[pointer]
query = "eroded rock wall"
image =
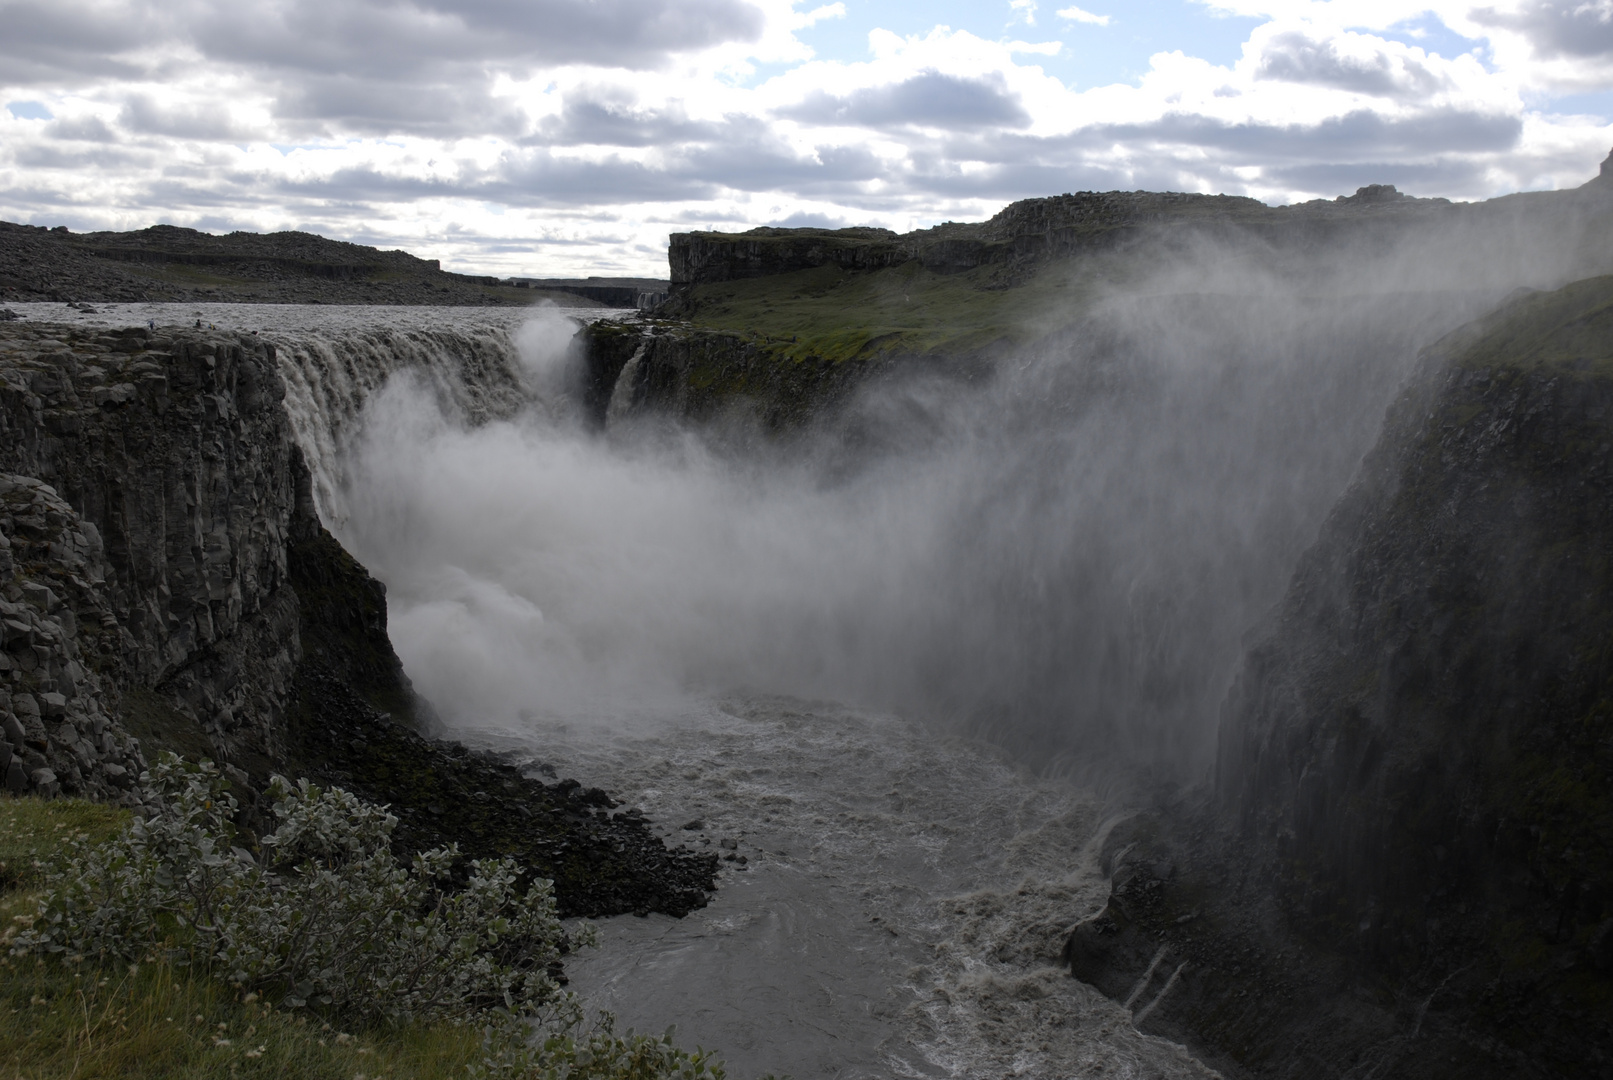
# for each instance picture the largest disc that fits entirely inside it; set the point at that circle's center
(1405, 870)
(173, 454)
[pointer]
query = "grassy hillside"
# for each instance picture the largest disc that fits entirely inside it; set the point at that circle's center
(835, 314)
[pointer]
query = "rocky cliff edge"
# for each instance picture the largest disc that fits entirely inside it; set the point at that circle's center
(165, 584)
(1405, 868)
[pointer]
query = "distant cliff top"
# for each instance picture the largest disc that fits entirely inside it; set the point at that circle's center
(167, 263)
(1025, 232)
(963, 287)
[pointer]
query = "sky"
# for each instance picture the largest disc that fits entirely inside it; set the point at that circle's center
(569, 137)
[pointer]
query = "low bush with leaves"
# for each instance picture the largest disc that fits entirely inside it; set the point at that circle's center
(327, 915)
(326, 919)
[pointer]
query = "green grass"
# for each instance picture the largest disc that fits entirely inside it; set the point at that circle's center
(65, 1020)
(837, 315)
(34, 830)
(61, 1019)
(1570, 329)
(71, 1018)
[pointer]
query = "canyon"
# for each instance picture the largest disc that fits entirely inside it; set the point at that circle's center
(1264, 552)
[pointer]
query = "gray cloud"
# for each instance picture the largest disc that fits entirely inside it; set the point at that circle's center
(584, 121)
(324, 105)
(392, 39)
(69, 41)
(1294, 57)
(1557, 28)
(80, 128)
(1444, 175)
(79, 158)
(1351, 136)
(143, 114)
(927, 100)
(362, 66)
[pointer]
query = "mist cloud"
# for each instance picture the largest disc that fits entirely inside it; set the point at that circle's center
(1064, 557)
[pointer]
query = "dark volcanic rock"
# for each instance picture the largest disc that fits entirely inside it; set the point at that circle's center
(601, 864)
(165, 580)
(1030, 231)
(1407, 868)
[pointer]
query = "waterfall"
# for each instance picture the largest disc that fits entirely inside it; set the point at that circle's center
(474, 373)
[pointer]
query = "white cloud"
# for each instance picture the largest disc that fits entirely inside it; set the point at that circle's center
(478, 133)
(1080, 15)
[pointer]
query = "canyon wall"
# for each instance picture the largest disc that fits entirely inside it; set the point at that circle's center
(166, 584)
(1404, 868)
(1420, 745)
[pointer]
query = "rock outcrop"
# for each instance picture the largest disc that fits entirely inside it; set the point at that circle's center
(1032, 231)
(1405, 870)
(174, 453)
(661, 367)
(165, 583)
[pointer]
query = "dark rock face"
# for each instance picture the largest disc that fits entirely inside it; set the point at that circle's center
(1405, 869)
(59, 636)
(165, 580)
(701, 257)
(705, 375)
(601, 864)
(1423, 743)
(175, 451)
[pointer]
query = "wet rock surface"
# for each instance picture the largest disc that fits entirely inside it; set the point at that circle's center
(1404, 870)
(601, 863)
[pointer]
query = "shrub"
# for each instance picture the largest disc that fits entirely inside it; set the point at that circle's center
(324, 918)
(327, 915)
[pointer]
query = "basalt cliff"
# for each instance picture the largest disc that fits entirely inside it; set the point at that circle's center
(1404, 869)
(167, 585)
(776, 327)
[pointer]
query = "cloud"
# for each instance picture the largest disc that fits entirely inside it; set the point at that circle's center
(1353, 62)
(427, 37)
(1564, 28)
(588, 120)
(205, 120)
(455, 129)
(929, 99)
(88, 128)
(74, 41)
(1075, 14)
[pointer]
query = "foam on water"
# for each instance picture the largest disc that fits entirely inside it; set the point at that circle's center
(901, 913)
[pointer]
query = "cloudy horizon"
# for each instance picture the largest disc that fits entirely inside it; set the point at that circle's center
(560, 137)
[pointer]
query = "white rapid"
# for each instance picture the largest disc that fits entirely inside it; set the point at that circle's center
(899, 913)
